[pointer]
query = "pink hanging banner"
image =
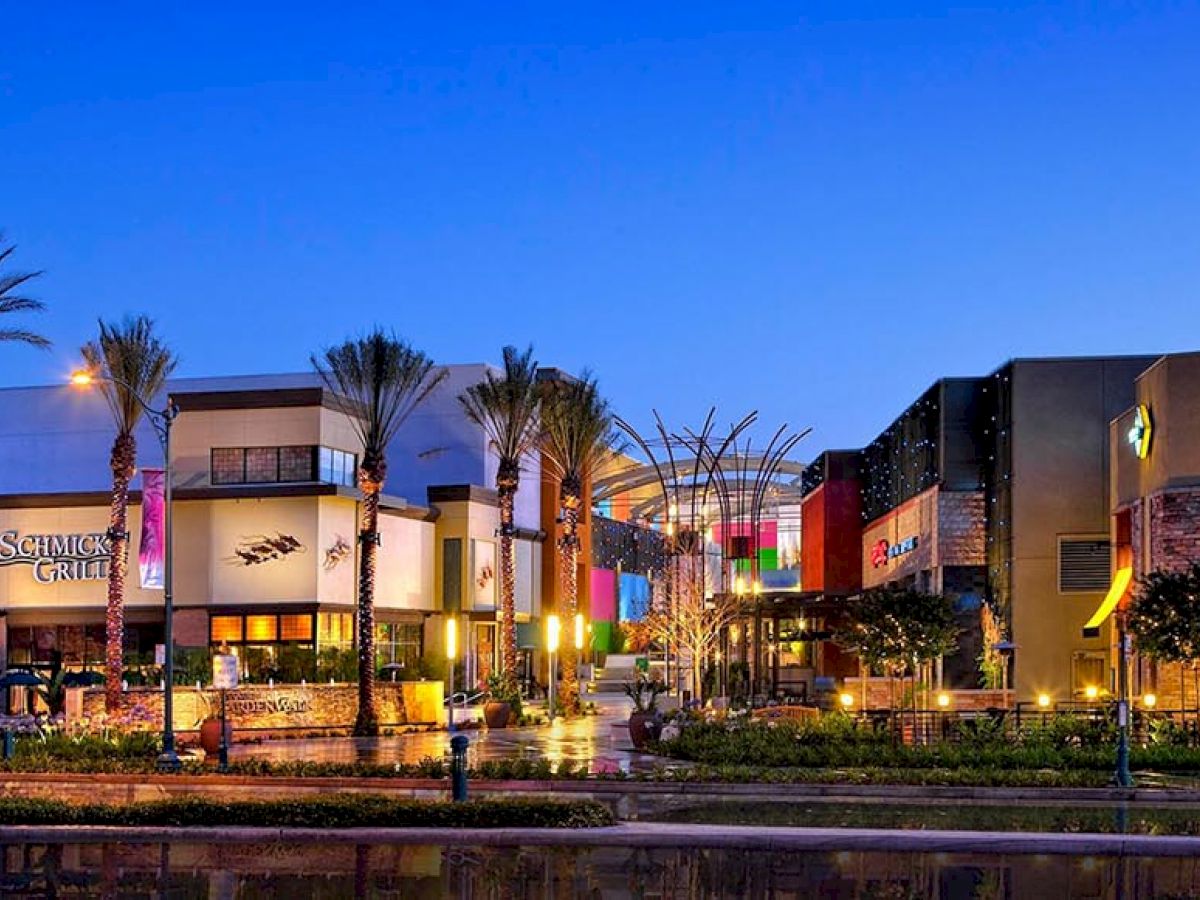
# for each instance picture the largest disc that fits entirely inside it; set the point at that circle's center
(152, 545)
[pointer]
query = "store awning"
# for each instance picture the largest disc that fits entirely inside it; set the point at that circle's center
(1116, 593)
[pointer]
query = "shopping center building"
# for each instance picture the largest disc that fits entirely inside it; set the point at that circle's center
(992, 490)
(1155, 495)
(265, 547)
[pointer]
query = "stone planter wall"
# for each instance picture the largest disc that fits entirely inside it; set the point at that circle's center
(282, 707)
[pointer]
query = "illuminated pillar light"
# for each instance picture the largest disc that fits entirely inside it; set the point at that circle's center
(578, 631)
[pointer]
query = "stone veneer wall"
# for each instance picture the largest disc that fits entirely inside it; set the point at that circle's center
(255, 707)
(879, 695)
(1174, 543)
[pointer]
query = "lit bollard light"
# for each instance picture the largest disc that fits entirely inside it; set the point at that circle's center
(458, 767)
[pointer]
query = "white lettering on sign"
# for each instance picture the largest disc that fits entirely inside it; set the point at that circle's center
(57, 557)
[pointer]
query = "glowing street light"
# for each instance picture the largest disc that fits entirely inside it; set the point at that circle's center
(451, 656)
(553, 633)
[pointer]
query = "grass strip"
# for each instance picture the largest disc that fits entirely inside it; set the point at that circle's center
(343, 811)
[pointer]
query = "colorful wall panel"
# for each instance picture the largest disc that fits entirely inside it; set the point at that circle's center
(633, 593)
(604, 595)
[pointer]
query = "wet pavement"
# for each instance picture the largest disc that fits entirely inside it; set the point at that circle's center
(586, 740)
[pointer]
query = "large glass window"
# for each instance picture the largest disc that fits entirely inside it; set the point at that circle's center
(335, 629)
(337, 467)
(282, 465)
(399, 644)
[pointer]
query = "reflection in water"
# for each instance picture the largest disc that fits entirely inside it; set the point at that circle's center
(218, 871)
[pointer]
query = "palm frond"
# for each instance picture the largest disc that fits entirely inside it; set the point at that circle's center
(130, 360)
(383, 379)
(578, 435)
(506, 407)
(11, 302)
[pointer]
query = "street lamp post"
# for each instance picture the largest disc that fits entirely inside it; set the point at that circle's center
(553, 629)
(161, 420)
(1123, 777)
(451, 655)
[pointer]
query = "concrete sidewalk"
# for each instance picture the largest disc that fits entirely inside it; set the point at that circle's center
(641, 835)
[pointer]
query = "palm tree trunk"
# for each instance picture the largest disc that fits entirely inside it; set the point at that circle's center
(367, 721)
(122, 461)
(508, 587)
(569, 558)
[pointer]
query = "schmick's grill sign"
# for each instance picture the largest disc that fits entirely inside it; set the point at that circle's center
(57, 557)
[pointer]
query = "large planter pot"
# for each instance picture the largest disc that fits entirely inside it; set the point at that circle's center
(496, 714)
(641, 728)
(210, 735)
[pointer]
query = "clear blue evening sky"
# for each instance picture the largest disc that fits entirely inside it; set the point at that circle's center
(813, 209)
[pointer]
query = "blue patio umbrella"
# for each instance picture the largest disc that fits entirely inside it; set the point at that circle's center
(20, 678)
(82, 679)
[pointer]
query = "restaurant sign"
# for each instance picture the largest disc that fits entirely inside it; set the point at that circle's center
(57, 557)
(884, 551)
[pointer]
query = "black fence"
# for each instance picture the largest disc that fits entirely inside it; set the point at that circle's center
(1065, 724)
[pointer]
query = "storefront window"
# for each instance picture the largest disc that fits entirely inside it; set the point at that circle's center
(335, 629)
(260, 629)
(225, 629)
(296, 628)
(399, 644)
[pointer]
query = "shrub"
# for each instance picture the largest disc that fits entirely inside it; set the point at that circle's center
(341, 811)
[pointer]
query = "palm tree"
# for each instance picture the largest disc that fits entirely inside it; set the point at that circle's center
(130, 362)
(578, 438)
(506, 408)
(383, 380)
(12, 302)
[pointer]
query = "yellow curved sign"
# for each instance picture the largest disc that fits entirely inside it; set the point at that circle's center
(1120, 585)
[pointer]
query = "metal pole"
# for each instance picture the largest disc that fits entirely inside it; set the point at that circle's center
(223, 747)
(1123, 777)
(168, 760)
(450, 723)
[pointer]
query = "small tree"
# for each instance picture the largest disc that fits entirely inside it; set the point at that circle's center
(693, 623)
(896, 630)
(1164, 619)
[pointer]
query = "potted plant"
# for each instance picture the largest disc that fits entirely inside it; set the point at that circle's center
(503, 703)
(644, 692)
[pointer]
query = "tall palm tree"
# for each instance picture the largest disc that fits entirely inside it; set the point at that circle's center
(13, 302)
(506, 408)
(130, 361)
(578, 438)
(383, 380)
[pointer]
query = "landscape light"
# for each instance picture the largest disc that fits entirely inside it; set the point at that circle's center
(451, 638)
(578, 631)
(553, 630)
(1043, 700)
(847, 700)
(1091, 692)
(1149, 701)
(943, 699)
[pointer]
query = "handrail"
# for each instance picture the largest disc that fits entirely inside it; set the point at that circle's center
(462, 698)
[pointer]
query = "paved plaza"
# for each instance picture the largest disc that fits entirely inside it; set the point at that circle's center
(586, 740)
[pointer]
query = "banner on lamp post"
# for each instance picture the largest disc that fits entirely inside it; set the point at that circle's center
(152, 547)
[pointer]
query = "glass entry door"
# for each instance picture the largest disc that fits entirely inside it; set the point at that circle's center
(482, 660)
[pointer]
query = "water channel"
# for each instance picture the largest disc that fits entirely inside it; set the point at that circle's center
(218, 871)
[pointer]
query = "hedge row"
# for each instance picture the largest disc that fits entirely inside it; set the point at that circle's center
(342, 811)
